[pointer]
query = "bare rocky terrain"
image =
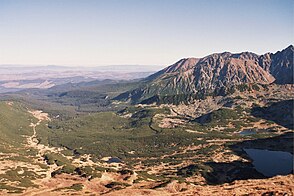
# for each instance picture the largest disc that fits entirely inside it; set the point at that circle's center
(215, 74)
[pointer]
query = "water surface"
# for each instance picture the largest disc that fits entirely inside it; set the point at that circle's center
(114, 160)
(247, 132)
(271, 163)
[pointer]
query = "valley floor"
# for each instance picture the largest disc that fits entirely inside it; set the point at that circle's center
(145, 149)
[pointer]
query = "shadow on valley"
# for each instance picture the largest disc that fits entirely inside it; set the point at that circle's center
(219, 173)
(279, 112)
(227, 172)
(282, 142)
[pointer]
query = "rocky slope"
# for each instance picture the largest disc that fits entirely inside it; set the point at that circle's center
(280, 65)
(214, 74)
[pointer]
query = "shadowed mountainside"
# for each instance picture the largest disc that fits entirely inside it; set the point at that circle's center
(279, 112)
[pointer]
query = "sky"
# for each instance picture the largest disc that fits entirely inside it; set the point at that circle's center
(139, 32)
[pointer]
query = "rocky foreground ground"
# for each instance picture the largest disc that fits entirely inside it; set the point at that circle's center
(279, 185)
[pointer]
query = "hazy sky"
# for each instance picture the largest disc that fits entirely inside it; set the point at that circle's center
(107, 32)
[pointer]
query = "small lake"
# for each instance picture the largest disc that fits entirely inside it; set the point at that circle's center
(247, 132)
(114, 160)
(271, 163)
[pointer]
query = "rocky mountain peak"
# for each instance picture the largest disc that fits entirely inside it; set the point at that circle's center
(182, 65)
(246, 56)
(216, 73)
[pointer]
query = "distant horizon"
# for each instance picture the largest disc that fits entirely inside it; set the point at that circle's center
(86, 66)
(130, 65)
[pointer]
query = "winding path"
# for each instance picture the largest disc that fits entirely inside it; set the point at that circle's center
(33, 142)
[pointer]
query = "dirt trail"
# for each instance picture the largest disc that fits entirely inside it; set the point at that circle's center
(33, 142)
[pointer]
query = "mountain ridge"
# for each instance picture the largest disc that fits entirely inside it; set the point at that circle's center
(215, 73)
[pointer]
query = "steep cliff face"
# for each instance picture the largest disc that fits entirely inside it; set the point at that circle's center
(224, 70)
(282, 66)
(192, 76)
